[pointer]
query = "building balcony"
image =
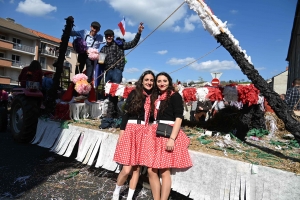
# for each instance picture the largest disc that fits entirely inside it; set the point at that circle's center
(4, 62)
(49, 53)
(19, 64)
(4, 80)
(5, 44)
(24, 48)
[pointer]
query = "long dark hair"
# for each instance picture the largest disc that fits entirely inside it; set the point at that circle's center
(139, 97)
(169, 90)
(34, 65)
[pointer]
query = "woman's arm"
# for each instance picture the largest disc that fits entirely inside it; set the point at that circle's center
(175, 131)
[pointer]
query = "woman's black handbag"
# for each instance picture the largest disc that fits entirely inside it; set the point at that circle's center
(164, 130)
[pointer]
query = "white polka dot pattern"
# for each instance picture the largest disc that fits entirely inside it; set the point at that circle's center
(129, 147)
(154, 152)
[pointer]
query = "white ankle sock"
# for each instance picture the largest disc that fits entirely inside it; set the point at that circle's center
(117, 189)
(130, 194)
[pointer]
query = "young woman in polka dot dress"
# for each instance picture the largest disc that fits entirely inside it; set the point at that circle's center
(138, 108)
(160, 153)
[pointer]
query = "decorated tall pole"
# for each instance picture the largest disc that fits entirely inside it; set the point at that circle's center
(219, 30)
(52, 93)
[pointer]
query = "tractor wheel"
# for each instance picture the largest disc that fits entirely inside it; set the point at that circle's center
(24, 118)
(3, 119)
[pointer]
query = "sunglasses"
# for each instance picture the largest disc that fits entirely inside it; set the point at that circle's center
(107, 36)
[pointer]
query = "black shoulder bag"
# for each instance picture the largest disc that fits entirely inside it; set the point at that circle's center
(163, 130)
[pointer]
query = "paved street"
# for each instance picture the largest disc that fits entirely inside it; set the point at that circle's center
(32, 172)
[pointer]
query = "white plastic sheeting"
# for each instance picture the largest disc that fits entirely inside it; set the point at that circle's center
(210, 178)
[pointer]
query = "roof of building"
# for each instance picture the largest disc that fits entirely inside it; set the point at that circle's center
(280, 73)
(10, 24)
(48, 37)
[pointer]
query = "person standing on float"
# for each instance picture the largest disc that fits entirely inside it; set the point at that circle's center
(138, 108)
(161, 153)
(93, 40)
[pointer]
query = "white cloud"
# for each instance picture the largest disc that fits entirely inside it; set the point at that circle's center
(230, 25)
(132, 80)
(188, 25)
(11, 1)
(162, 52)
(131, 70)
(260, 68)
(154, 71)
(233, 11)
(152, 13)
(211, 65)
(35, 7)
(128, 35)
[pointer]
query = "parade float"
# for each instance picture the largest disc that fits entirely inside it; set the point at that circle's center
(263, 166)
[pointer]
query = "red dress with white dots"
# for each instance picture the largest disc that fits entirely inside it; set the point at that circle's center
(128, 150)
(154, 153)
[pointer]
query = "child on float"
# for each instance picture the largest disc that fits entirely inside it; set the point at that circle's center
(138, 107)
(160, 154)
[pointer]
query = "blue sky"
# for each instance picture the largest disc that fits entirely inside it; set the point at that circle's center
(262, 27)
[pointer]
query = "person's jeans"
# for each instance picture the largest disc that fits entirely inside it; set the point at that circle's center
(83, 59)
(113, 75)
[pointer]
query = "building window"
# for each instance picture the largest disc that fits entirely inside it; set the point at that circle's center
(1, 55)
(2, 72)
(2, 37)
(68, 53)
(43, 62)
(15, 58)
(16, 41)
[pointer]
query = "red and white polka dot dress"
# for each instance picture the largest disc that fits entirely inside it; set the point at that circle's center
(155, 155)
(128, 149)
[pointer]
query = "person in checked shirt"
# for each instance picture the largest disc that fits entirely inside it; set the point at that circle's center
(293, 95)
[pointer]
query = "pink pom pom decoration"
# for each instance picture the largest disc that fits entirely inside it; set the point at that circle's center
(79, 77)
(93, 54)
(82, 87)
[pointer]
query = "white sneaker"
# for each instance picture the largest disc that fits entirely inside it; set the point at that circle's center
(115, 197)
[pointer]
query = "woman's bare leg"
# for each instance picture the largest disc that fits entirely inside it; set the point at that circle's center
(166, 183)
(154, 183)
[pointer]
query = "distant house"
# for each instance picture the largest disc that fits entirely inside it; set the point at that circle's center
(279, 82)
(20, 45)
(293, 56)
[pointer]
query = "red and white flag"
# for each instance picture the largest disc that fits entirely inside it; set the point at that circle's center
(122, 26)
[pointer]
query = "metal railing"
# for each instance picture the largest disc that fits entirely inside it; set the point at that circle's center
(51, 53)
(22, 47)
(19, 64)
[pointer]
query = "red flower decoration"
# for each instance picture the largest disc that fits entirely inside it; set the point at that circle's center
(189, 94)
(248, 94)
(214, 94)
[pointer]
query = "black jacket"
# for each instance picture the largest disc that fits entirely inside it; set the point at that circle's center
(115, 52)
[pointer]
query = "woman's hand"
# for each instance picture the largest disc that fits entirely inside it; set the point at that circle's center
(170, 145)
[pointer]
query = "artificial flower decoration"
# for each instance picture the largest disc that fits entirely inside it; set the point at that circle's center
(93, 54)
(82, 87)
(79, 77)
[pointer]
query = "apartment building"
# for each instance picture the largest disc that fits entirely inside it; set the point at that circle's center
(20, 45)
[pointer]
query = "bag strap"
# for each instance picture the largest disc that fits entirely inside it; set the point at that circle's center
(93, 41)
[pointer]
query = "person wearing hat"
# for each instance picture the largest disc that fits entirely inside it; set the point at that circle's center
(114, 62)
(93, 40)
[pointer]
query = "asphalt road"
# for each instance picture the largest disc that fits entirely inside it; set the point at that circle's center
(31, 172)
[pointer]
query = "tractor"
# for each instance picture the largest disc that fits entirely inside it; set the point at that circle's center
(25, 108)
(25, 111)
